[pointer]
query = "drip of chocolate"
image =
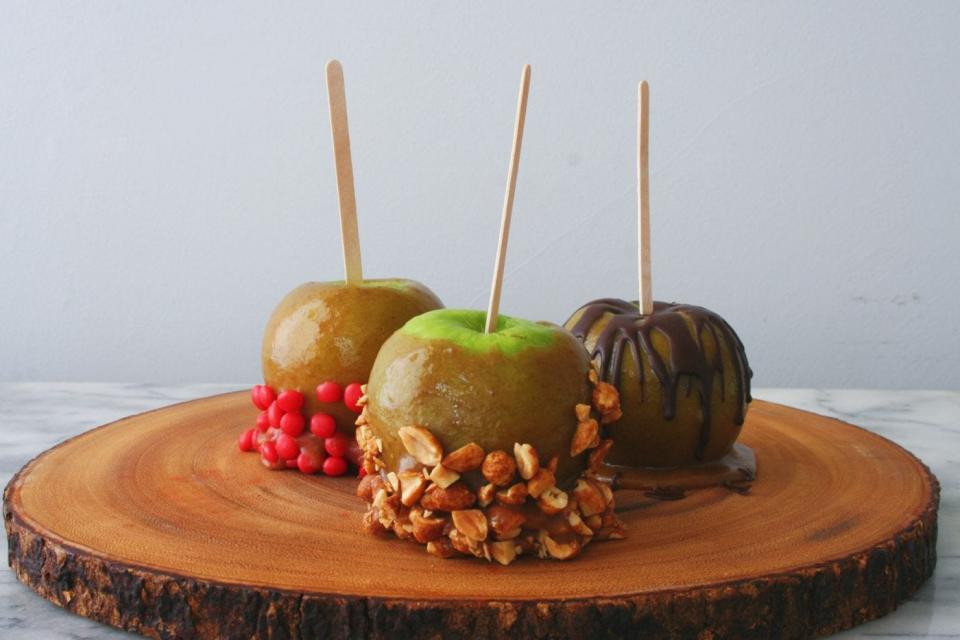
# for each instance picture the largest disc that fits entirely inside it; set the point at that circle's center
(682, 326)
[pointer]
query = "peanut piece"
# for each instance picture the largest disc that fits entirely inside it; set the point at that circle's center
(422, 445)
(503, 552)
(515, 495)
(589, 498)
(471, 523)
(498, 468)
(552, 501)
(466, 458)
(540, 482)
(412, 486)
(606, 399)
(443, 477)
(454, 498)
(506, 523)
(528, 462)
(585, 437)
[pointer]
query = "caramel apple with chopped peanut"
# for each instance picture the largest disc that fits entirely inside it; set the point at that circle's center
(484, 443)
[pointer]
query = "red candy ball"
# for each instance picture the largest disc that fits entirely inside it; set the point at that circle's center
(334, 466)
(290, 400)
(263, 421)
(292, 424)
(286, 447)
(329, 392)
(274, 414)
(247, 440)
(263, 396)
(350, 396)
(268, 451)
(323, 425)
(337, 445)
(309, 462)
(255, 396)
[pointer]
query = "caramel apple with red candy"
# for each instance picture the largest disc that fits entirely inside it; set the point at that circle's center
(318, 348)
(682, 375)
(329, 333)
(480, 443)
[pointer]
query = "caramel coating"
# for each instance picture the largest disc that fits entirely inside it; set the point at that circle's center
(685, 400)
(330, 331)
(494, 399)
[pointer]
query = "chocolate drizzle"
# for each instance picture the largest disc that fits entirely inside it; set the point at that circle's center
(682, 326)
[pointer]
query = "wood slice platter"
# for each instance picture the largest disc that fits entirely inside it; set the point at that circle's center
(157, 524)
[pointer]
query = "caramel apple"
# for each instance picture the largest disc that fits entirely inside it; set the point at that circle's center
(322, 339)
(683, 379)
(325, 332)
(491, 433)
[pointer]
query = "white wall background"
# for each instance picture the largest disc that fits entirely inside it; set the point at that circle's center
(166, 173)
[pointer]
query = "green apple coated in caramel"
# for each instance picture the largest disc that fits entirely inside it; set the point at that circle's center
(683, 378)
(519, 384)
(331, 331)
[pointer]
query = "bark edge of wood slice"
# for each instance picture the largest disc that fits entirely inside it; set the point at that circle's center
(842, 526)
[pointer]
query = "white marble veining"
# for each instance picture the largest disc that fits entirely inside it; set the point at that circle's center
(36, 416)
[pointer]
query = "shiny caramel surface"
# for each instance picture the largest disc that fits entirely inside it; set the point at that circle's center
(331, 331)
(492, 398)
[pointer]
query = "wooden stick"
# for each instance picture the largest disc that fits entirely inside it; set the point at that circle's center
(493, 309)
(349, 232)
(643, 195)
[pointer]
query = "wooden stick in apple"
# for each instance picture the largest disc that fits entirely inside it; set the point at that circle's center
(493, 309)
(349, 233)
(643, 196)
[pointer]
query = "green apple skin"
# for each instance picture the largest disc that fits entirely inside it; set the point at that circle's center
(332, 331)
(520, 383)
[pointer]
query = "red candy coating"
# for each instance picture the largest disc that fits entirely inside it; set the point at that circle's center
(350, 396)
(290, 400)
(264, 396)
(292, 424)
(309, 462)
(323, 425)
(286, 447)
(247, 440)
(329, 392)
(268, 451)
(334, 466)
(274, 414)
(337, 445)
(263, 421)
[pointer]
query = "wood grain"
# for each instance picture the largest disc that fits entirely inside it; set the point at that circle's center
(157, 524)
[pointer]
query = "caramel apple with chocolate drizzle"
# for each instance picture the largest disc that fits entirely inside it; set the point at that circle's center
(683, 378)
(681, 370)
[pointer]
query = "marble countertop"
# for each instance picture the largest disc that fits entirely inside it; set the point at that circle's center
(36, 416)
